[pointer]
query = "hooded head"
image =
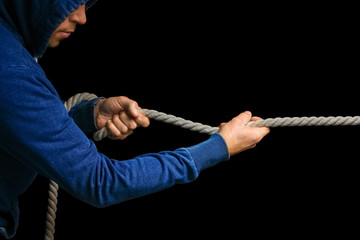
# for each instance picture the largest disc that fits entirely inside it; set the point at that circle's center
(34, 21)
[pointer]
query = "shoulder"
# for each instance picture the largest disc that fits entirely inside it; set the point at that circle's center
(12, 52)
(18, 69)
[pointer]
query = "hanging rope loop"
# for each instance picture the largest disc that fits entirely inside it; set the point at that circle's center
(53, 186)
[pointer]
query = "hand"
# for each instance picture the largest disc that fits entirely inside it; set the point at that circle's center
(120, 115)
(240, 137)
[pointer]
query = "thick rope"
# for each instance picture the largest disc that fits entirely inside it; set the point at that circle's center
(269, 122)
(51, 210)
(167, 118)
(306, 121)
(193, 126)
(53, 186)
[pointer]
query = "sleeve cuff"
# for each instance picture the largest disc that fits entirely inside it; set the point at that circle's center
(83, 115)
(210, 152)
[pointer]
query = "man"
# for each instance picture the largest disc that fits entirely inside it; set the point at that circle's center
(38, 135)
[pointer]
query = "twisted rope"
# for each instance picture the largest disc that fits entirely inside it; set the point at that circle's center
(51, 210)
(306, 121)
(53, 186)
(269, 122)
(166, 118)
(193, 126)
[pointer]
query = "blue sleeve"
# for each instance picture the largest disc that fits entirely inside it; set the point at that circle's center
(37, 131)
(83, 115)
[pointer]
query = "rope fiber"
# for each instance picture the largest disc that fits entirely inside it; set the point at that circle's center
(193, 126)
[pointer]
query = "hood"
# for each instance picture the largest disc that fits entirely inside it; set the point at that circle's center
(34, 21)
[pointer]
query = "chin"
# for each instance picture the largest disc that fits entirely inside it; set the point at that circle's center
(53, 42)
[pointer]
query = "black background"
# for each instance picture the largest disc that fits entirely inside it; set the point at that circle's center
(208, 62)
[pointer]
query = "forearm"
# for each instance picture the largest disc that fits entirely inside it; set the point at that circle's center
(107, 181)
(84, 116)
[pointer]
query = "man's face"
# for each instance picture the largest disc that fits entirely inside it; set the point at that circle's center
(68, 26)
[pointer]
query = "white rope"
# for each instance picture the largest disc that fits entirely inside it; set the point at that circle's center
(268, 122)
(306, 121)
(193, 126)
(167, 118)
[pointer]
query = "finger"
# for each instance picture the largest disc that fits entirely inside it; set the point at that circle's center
(123, 103)
(119, 124)
(244, 117)
(255, 119)
(133, 109)
(222, 124)
(135, 112)
(265, 131)
(142, 120)
(115, 133)
(127, 121)
(262, 131)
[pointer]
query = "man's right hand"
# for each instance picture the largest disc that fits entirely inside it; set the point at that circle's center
(240, 137)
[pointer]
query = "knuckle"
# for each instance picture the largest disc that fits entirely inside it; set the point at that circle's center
(123, 98)
(123, 129)
(116, 133)
(122, 115)
(132, 125)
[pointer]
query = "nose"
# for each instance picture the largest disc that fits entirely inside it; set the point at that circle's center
(78, 16)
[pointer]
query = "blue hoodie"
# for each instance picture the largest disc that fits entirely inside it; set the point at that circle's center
(38, 135)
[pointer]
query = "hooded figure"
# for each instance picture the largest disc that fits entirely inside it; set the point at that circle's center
(38, 135)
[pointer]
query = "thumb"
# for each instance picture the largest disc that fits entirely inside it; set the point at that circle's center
(127, 105)
(244, 117)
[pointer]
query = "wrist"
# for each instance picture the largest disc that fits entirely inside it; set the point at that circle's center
(97, 118)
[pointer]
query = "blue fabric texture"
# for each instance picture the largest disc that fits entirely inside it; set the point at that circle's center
(38, 135)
